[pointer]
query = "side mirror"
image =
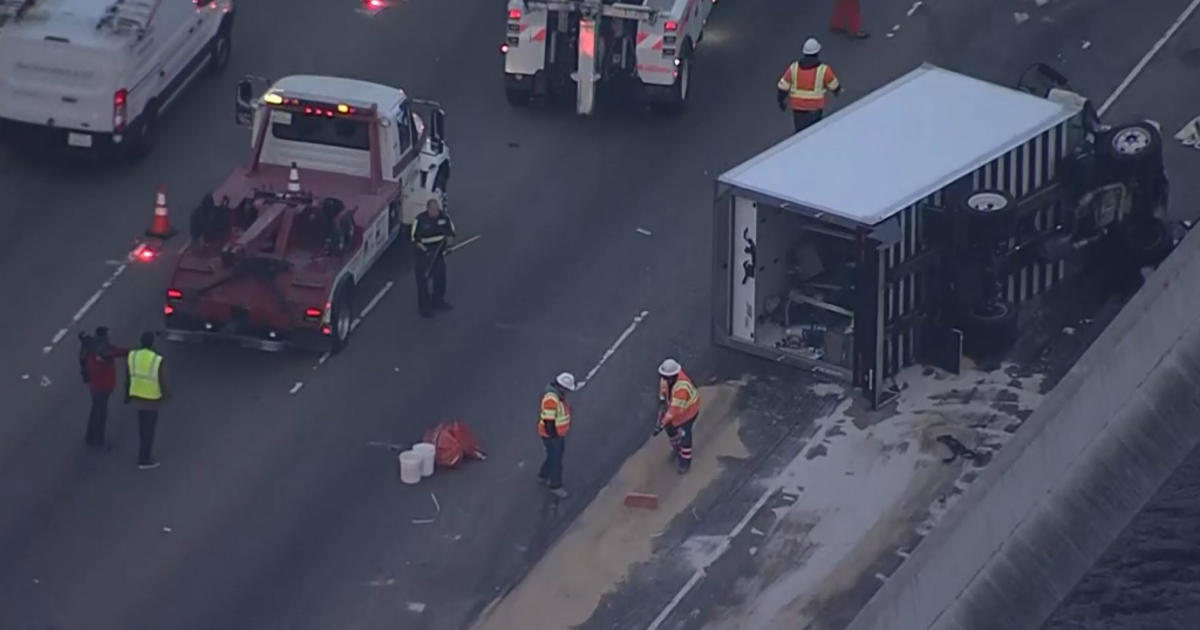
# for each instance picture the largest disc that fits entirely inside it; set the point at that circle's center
(244, 103)
(437, 130)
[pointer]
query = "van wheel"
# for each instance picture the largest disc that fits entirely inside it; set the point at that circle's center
(341, 317)
(518, 97)
(221, 52)
(141, 142)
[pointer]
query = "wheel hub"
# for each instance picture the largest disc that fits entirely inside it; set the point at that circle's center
(1131, 141)
(987, 202)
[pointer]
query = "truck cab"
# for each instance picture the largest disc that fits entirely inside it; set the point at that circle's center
(338, 169)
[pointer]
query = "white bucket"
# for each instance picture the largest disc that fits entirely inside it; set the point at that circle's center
(410, 467)
(426, 451)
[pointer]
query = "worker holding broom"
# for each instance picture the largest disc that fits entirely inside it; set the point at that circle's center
(681, 400)
(432, 234)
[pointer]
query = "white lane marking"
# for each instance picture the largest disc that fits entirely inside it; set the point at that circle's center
(295, 388)
(1162, 41)
(417, 607)
(712, 557)
(87, 305)
(466, 242)
(91, 301)
(375, 300)
(613, 348)
(915, 6)
(644, 232)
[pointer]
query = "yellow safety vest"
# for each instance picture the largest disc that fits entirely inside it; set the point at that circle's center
(143, 374)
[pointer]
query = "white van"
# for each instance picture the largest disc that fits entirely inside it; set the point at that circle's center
(95, 75)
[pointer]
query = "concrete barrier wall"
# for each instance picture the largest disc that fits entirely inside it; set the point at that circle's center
(1078, 470)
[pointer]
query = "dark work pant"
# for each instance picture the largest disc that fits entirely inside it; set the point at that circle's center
(147, 422)
(97, 418)
(428, 269)
(681, 439)
(552, 468)
(804, 120)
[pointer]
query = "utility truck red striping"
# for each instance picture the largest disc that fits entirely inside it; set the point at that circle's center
(338, 170)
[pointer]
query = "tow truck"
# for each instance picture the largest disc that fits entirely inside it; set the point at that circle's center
(642, 47)
(338, 168)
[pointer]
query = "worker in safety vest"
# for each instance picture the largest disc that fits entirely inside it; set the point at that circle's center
(146, 387)
(432, 234)
(554, 421)
(680, 404)
(804, 84)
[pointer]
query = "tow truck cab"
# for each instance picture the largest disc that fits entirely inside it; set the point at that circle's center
(338, 168)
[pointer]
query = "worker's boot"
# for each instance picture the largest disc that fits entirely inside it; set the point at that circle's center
(559, 492)
(684, 465)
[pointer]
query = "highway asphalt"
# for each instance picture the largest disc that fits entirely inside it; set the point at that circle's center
(272, 510)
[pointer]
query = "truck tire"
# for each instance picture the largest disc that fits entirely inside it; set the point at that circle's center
(991, 329)
(679, 91)
(442, 178)
(221, 47)
(989, 214)
(517, 97)
(1147, 242)
(1132, 144)
(341, 316)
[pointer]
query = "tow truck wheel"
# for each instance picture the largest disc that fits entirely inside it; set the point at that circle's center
(516, 96)
(991, 329)
(341, 318)
(679, 91)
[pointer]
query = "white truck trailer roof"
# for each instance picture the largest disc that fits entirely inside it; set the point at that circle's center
(896, 146)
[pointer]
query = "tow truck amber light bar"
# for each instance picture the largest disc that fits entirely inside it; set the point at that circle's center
(311, 108)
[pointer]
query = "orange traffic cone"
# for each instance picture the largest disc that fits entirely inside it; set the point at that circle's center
(293, 186)
(161, 226)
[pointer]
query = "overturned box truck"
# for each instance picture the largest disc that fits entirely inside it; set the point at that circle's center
(911, 226)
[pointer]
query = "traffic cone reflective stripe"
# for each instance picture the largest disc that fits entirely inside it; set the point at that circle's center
(293, 185)
(160, 227)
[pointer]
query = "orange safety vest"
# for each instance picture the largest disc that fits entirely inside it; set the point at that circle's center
(684, 403)
(556, 413)
(806, 87)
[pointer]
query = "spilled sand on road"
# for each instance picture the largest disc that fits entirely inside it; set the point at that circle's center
(598, 550)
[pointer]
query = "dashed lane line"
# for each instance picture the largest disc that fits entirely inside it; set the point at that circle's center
(87, 306)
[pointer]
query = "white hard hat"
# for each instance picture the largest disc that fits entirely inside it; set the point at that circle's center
(812, 46)
(669, 367)
(566, 380)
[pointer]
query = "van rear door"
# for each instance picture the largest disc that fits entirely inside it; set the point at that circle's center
(52, 81)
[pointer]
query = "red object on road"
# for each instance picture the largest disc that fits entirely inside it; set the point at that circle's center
(453, 441)
(847, 17)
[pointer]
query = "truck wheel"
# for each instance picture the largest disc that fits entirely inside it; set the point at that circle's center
(1132, 144)
(1147, 242)
(991, 328)
(518, 97)
(341, 317)
(222, 45)
(679, 91)
(442, 179)
(989, 214)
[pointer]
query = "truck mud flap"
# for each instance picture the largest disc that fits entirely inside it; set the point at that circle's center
(940, 346)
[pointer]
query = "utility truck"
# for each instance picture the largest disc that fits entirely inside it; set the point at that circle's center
(338, 168)
(643, 49)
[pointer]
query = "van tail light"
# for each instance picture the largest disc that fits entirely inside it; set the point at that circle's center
(671, 25)
(174, 294)
(312, 312)
(119, 118)
(514, 14)
(168, 309)
(326, 330)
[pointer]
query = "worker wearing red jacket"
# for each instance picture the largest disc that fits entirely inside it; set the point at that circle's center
(98, 367)
(681, 400)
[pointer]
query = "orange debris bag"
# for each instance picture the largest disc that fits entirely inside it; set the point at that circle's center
(452, 442)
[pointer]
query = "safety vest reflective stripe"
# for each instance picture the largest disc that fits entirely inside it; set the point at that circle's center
(143, 374)
(808, 86)
(554, 410)
(685, 401)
